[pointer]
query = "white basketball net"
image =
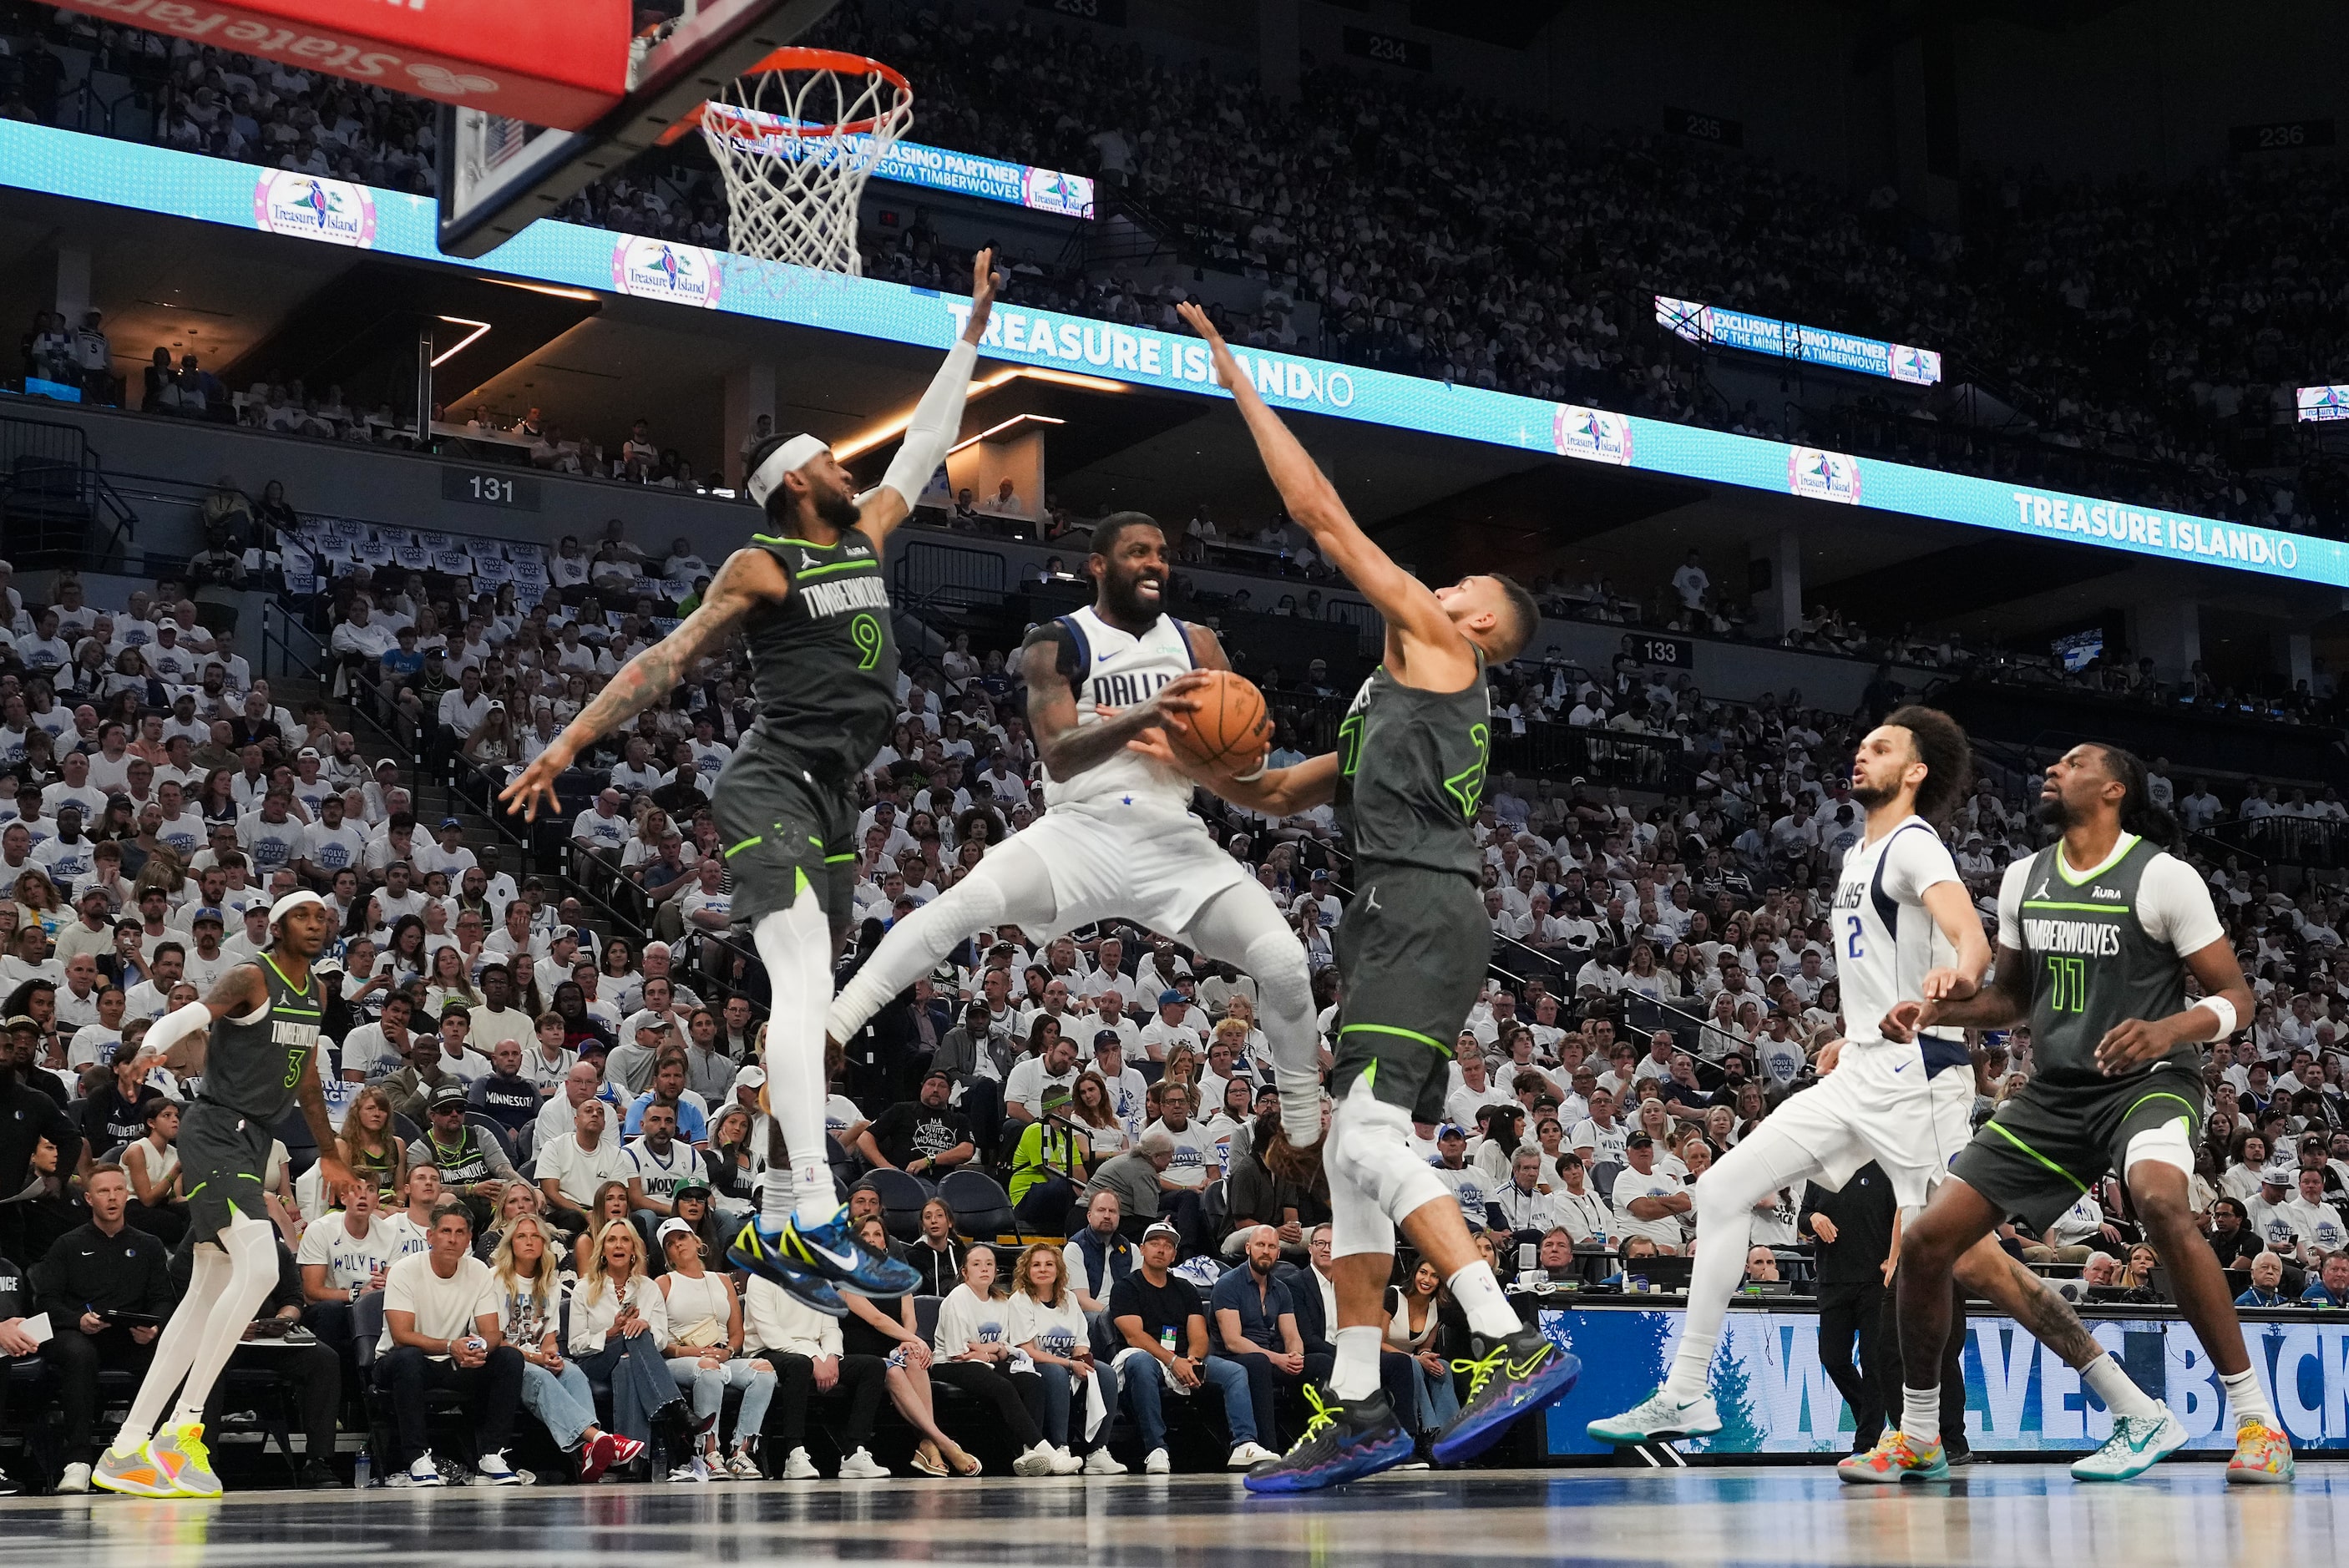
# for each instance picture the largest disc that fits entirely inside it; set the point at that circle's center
(794, 169)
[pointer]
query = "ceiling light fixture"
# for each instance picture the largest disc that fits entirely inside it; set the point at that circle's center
(880, 435)
(446, 355)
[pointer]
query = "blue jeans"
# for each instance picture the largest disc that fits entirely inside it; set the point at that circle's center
(1064, 1403)
(562, 1402)
(708, 1384)
(1145, 1391)
(641, 1384)
(1439, 1400)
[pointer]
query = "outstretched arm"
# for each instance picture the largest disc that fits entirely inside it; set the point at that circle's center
(1408, 605)
(937, 418)
(748, 577)
(2005, 1000)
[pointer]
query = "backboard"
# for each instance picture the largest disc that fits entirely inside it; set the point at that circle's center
(499, 174)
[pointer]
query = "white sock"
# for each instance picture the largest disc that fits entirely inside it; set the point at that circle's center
(126, 1440)
(1481, 1297)
(775, 1192)
(1356, 1374)
(1920, 1414)
(2121, 1396)
(1691, 1372)
(2247, 1399)
(816, 1202)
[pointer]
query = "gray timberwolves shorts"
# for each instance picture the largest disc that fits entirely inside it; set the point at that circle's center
(224, 1161)
(783, 831)
(1411, 952)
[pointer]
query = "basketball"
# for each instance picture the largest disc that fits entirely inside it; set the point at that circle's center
(1228, 729)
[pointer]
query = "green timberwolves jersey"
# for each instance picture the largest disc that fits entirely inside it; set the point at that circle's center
(2093, 963)
(1410, 773)
(253, 1065)
(824, 662)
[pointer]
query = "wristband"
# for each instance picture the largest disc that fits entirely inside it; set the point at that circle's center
(2228, 1020)
(1252, 775)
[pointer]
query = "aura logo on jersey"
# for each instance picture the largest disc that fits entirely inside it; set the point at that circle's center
(1818, 475)
(1591, 433)
(655, 268)
(286, 202)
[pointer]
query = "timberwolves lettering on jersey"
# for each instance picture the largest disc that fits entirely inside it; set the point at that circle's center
(1886, 939)
(1107, 667)
(253, 1064)
(824, 662)
(2103, 947)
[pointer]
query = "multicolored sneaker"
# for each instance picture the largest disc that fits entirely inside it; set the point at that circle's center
(1515, 1376)
(1897, 1457)
(1342, 1442)
(2138, 1444)
(181, 1451)
(2262, 1457)
(772, 1255)
(134, 1474)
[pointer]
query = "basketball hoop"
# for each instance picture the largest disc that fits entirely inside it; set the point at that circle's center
(796, 137)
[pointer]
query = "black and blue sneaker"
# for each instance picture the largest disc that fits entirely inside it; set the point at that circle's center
(827, 1257)
(1515, 1376)
(1342, 1442)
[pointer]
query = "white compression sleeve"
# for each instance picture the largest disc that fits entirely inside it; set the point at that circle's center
(938, 420)
(251, 1245)
(795, 945)
(174, 1027)
(176, 1348)
(1241, 926)
(1012, 883)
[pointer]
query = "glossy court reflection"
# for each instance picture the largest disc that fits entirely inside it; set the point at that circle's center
(1997, 1515)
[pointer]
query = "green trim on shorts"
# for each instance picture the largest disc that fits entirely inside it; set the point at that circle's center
(798, 883)
(1370, 1072)
(2002, 1132)
(2192, 1113)
(751, 842)
(837, 860)
(1430, 1041)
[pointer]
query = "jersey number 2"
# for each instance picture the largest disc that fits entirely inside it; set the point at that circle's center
(1851, 943)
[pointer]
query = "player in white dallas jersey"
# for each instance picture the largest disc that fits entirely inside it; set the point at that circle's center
(1117, 837)
(1903, 928)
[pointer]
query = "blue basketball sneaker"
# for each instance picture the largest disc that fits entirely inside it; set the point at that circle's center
(827, 1257)
(1342, 1442)
(1513, 1378)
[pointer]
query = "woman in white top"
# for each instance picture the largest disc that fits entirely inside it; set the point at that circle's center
(530, 1303)
(704, 1344)
(1657, 1123)
(152, 1163)
(975, 1354)
(453, 981)
(1416, 1329)
(619, 1322)
(1043, 1319)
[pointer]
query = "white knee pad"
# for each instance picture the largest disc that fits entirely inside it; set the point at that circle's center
(1369, 1153)
(2168, 1143)
(1284, 986)
(252, 1247)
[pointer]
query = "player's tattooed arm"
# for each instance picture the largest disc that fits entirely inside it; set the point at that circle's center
(185, 1040)
(2005, 1000)
(746, 578)
(1067, 747)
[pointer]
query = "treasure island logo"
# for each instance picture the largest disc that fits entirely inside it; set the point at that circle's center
(288, 202)
(655, 268)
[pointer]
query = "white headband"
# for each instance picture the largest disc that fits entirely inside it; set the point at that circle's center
(787, 458)
(292, 901)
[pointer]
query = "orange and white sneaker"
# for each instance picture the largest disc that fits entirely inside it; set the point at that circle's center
(2262, 1457)
(133, 1474)
(1897, 1457)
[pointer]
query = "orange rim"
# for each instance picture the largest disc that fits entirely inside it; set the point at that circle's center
(793, 57)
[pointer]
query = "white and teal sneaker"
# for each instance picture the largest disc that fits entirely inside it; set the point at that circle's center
(2138, 1444)
(1656, 1417)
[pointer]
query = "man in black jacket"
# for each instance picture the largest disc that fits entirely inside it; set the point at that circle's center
(15, 1345)
(94, 1274)
(313, 1371)
(1853, 1227)
(1313, 1295)
(31, 1199)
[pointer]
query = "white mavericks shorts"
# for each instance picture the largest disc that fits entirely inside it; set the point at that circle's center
(1879, 1105)
(1147, 866)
